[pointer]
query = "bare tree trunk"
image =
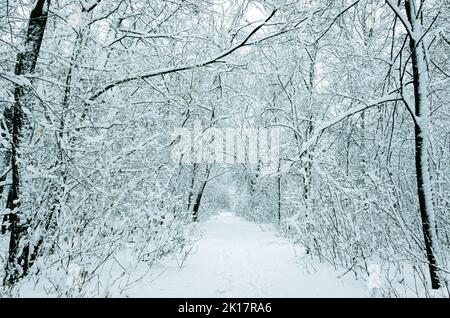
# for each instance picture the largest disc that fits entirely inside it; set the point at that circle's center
(25, 64)
(279, 194)
(191, 189)
(307, 178)
(421, 136)
(199, 196)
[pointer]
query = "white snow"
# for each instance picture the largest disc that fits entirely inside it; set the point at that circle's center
(236, 258)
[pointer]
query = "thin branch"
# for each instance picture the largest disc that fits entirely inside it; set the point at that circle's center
(334, 20)
(169, 70)
(402, 17)
(330, 123)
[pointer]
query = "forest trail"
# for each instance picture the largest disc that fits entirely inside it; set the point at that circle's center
(236, 258)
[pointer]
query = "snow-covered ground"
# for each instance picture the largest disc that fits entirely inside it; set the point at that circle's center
(236, 258)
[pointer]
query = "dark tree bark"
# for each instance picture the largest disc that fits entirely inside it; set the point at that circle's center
(198, 198)
(191, 189)
(421, 144)
(15, 117)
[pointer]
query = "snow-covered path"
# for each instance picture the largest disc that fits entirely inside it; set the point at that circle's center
(236, 258)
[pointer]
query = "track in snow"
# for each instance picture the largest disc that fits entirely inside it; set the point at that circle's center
(236, 258)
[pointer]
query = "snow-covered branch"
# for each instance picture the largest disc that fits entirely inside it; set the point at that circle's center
(169, 70)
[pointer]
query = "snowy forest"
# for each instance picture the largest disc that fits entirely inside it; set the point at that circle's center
(101, 196)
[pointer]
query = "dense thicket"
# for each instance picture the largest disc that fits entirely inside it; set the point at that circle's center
(92, 91)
